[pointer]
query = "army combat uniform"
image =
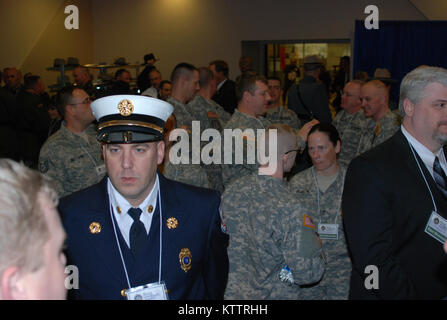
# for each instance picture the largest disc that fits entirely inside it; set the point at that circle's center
(335, 282)
(242, 121)
(208, 112)
(211, 116)
(272, 249)
(72, 162)
(182, 115)
(284, 115)
(377, 132)
(193, 174)
(350, 127)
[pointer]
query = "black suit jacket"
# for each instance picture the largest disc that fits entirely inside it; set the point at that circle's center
(226, 96)
(386, 206)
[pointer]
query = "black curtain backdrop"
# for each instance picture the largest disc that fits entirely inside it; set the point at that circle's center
(399, 46)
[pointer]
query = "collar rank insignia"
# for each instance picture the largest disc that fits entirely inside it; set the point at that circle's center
(172, 223)
(95, 228)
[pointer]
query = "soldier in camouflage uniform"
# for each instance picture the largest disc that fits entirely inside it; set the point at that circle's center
(377, 132)
(273, 249)
(253, 96)
(319, 190)
(211, 116)
(72, 156)
(277, 113)
(385, 124)
(350, 121)
(185, 84)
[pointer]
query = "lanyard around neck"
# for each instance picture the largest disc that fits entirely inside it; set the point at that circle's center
(317, 187)
(119, 246)
(423, 175)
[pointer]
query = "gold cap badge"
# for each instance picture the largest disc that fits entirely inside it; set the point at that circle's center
(118, 208)
(150, 209)
(95, 227)
(125, 107)
(185, 258)
(172, 223)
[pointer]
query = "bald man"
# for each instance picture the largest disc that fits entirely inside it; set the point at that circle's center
(384, 124)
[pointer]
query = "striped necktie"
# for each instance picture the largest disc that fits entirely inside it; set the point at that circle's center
(440, 177)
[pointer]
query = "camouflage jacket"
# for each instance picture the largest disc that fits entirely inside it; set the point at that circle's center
(284, 115)
(377, 132)
(335, 282)
(182, 114)
(350, 127)
(243, 122)
(208, 112)
(267, 234)
(192, 174)
(71, 161)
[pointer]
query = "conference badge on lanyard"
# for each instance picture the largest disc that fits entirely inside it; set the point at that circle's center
(328, 231)
(437, 227)
(151, 291)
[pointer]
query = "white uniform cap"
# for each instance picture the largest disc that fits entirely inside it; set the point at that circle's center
(130, 118)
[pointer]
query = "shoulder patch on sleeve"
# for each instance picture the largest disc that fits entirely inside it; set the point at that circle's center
(307, 221)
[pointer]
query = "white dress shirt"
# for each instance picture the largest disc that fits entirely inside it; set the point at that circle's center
(220, 85)
(425, 154)
(123, 219)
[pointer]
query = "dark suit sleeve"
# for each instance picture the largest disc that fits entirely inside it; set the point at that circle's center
(217, 265)
(368, 221)
(292, 99)
(320, 102)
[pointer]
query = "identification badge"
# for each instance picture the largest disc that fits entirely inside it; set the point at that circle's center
(437, 227)
(151, 291)
(328, 231)
(100, 170)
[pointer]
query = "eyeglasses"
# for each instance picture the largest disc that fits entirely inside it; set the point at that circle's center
(292, 151)
(85, 101)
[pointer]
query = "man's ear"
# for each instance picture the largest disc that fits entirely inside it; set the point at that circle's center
(160, 151)
(12, 284)
(246, 96)
(409, 107)
(338, 147)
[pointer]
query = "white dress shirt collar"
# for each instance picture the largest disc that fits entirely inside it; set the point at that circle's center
(424, 153)
(220, 84)
(121, 206)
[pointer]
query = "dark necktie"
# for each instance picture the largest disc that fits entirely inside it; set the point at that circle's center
(440, 178)
(137, 232)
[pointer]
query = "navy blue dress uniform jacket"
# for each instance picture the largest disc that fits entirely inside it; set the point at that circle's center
(101, 272)
(386, 206)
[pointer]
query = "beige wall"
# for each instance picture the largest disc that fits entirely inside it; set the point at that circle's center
(199, 31)
(195, 31)
(39, 35)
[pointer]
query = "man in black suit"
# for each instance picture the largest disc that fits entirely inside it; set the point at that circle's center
(394, 201)
(226, 92)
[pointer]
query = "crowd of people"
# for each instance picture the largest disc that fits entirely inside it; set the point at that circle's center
(342, 189)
